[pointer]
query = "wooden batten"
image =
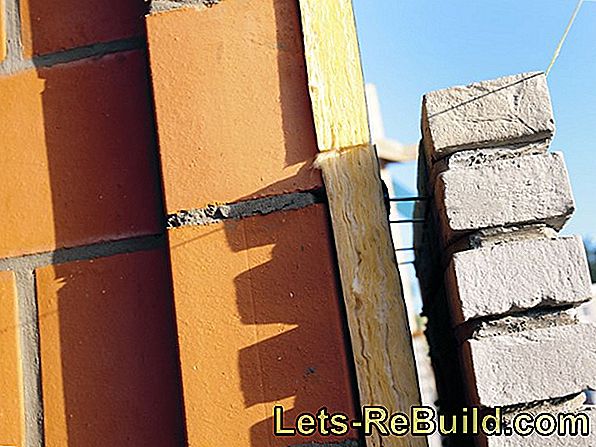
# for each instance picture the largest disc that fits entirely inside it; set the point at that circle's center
(377, 317)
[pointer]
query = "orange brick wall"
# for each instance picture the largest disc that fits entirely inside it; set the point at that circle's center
(271, 328)
(88, 340)
(166, 258)
(58, 25)
(234, 112)
(11, 387)
(108, 355)
(234, 125)
(78, 155)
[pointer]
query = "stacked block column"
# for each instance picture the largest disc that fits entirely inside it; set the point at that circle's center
(500, 285)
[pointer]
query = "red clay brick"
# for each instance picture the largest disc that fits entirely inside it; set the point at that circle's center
(108, 353)
(77, 155)
(259, 321)
(50, 26)
(11, 387)
(232, 105)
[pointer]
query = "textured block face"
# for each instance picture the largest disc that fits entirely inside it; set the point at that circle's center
(533, 188)
(537, 440)
(518, 276)
(509, 110)
(234, 118)
(570, 414)
(77, 155)
(531, 365)
(108, 353)
(11, 387)
(259, 325)
(51, 26)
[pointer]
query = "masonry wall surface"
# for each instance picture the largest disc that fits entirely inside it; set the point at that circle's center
(233, 116)
(500, 287)
(166, 259)
(88, 340)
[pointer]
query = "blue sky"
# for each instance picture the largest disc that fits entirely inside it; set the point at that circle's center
(410, 47)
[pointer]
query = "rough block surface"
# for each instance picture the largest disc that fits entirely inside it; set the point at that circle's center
(475, 157)
(518, 276)
(108, 352)
(572, 407)
(533, 365)
(513, 109)
(533, 188)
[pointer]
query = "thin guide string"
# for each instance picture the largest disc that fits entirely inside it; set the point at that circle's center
(562, 41)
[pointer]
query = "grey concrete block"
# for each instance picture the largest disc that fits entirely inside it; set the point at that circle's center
(509, 110)
(475, 157)
(518, 276)
(528, 366)
(536, 440)
(572, 407)
(528, 189)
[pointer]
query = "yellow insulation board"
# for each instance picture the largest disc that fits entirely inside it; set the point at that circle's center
(377, 317)
(2, 31)
(334, 75)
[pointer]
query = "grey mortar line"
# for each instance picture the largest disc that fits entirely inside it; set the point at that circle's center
(82, 253)
(30, 358)
(565, 402)
(218, 213)
(517, 321)
(205, 216)
(89, 51)
(12, 66)
(171, 5)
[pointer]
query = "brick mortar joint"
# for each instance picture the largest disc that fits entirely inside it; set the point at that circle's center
(30, 262)
(92, 51)
(205, 216)
(488, 237)
(216, 213)
(516, 321)
(561, 402)
(492, 237)
(158, 6)
(30, 357)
